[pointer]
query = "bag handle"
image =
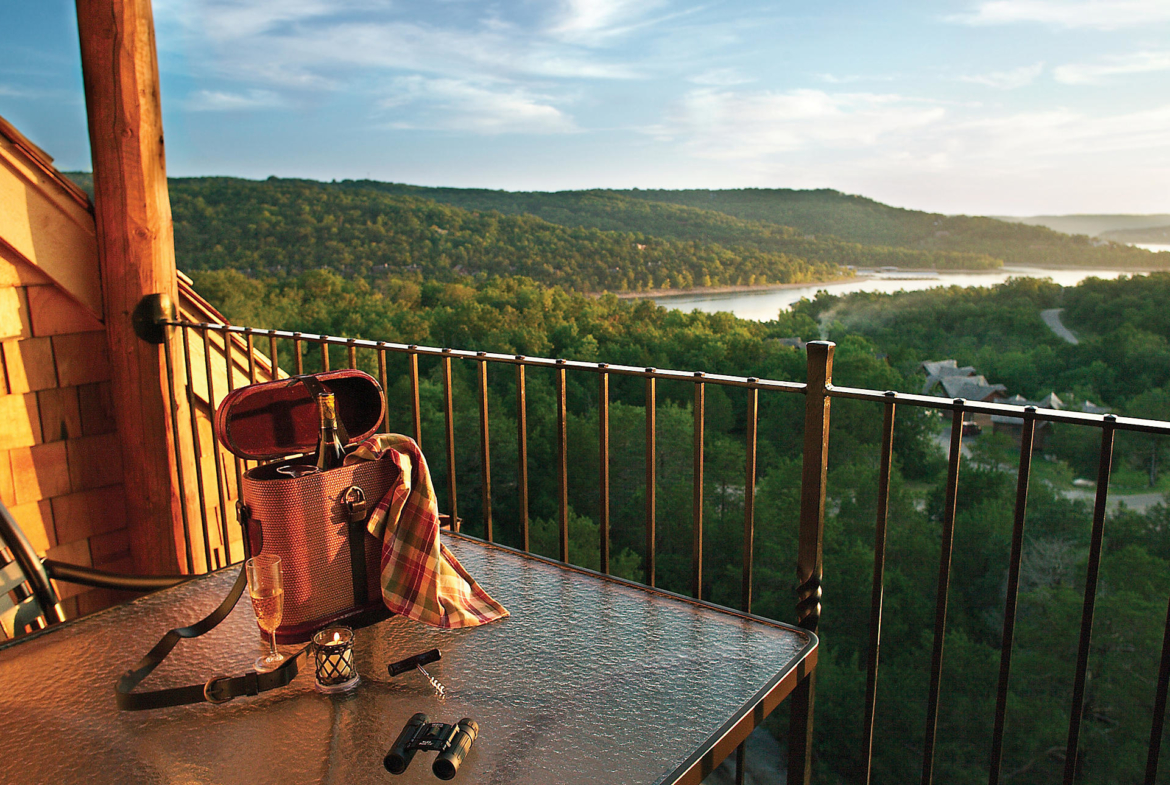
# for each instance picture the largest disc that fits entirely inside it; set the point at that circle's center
(217, 689)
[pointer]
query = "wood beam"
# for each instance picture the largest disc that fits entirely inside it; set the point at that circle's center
(137, 258)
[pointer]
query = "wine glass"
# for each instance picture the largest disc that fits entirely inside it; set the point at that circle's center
(266, 589)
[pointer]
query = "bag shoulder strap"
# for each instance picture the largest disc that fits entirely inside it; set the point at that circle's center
(218, 689)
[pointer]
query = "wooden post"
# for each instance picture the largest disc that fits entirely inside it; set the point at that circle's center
(808, 559)
(137, 256)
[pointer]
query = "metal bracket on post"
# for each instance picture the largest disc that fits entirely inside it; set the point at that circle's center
(150, 317)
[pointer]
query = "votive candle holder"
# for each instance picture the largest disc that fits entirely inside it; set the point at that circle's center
(334, 664)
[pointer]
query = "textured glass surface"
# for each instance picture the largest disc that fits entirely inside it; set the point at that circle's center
(588, 681)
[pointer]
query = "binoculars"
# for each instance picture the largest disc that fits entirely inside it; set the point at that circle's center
(452, 742)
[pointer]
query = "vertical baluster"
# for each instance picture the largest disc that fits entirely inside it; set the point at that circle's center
(878, 585)
(251, 335)
(485, 455)
(170, 363)
(562, 462)
(699, 412)
(944, 582)
(522, 449)
(1027, 434)
(603, 466)
(229, 351)
(415, 407)
(1104, 465)
(449, 414)
(251, 354)
(809, 566)
(216, 452)
(196, 444)
(298, 354)
(351, 352)
(273, 363)
(324, 354)
(382, 381)
(749, 496)
(651, 474)
(1159, 706)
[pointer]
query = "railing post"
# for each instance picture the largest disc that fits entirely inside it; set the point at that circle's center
(808, 559)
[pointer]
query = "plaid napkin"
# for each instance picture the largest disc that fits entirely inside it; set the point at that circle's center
(421, 579)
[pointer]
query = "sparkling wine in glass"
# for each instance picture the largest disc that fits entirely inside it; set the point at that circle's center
(267, 592)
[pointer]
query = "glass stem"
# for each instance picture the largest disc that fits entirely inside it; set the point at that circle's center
(274, 652)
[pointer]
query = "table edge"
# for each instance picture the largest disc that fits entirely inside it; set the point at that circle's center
(732, 733)
(704, 604)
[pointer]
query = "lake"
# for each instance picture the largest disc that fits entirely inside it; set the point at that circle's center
(764, 305)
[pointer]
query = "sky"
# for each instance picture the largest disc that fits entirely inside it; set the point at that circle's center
(990, 107)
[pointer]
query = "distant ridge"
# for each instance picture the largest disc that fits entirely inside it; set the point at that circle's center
(822, 215)
(1095, 225)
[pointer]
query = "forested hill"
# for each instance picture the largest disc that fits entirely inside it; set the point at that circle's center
(290, 226)
(861, 220)
(799, 222)
(621, 212)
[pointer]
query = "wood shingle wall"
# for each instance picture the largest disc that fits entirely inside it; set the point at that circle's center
(60, 459)
(61, 472)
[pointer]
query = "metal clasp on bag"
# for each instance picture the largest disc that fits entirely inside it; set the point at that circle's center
(354, 499)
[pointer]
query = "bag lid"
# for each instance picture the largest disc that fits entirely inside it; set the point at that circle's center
(276, 419)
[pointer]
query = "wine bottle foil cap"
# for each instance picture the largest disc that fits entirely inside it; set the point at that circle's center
(328, 406)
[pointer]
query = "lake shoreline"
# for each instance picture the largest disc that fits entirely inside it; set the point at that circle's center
(767, 287)
(666, 294)
(765, 303)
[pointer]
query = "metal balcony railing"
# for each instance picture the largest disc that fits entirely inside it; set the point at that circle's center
(203, 533)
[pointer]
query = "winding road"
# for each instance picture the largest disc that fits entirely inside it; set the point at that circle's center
(1051, 317)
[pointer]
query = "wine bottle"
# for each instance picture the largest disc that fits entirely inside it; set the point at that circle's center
(330, 452)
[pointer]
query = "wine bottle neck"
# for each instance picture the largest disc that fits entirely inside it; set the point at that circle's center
(328, 411)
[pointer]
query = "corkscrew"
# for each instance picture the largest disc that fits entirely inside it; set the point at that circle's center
(416, 663)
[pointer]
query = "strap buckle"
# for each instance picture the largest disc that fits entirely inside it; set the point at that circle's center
(354, 499)
(207, 691)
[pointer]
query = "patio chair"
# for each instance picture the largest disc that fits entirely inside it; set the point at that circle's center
(28, 599)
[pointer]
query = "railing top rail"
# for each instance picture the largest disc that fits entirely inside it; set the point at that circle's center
(834, 391)
(514, 359)
(1002, 409)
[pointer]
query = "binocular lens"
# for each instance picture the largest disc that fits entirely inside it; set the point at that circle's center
(445, 769)
(396, 763)
(446, 766)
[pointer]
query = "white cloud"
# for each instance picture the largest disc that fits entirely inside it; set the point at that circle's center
(882, 144)
(853, 78)
(1098, 72)
(405, 46)
(459, 105)
(1097, 14)
(232, 20)
(1020, 139)
(593, 21)
(223, 101)
(1007, 80)
(720, 77)
(312, 44)
(729, 125)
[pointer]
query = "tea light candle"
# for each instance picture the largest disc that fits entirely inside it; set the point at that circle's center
(334, 660)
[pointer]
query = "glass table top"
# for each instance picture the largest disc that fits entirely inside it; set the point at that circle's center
(590, 680)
